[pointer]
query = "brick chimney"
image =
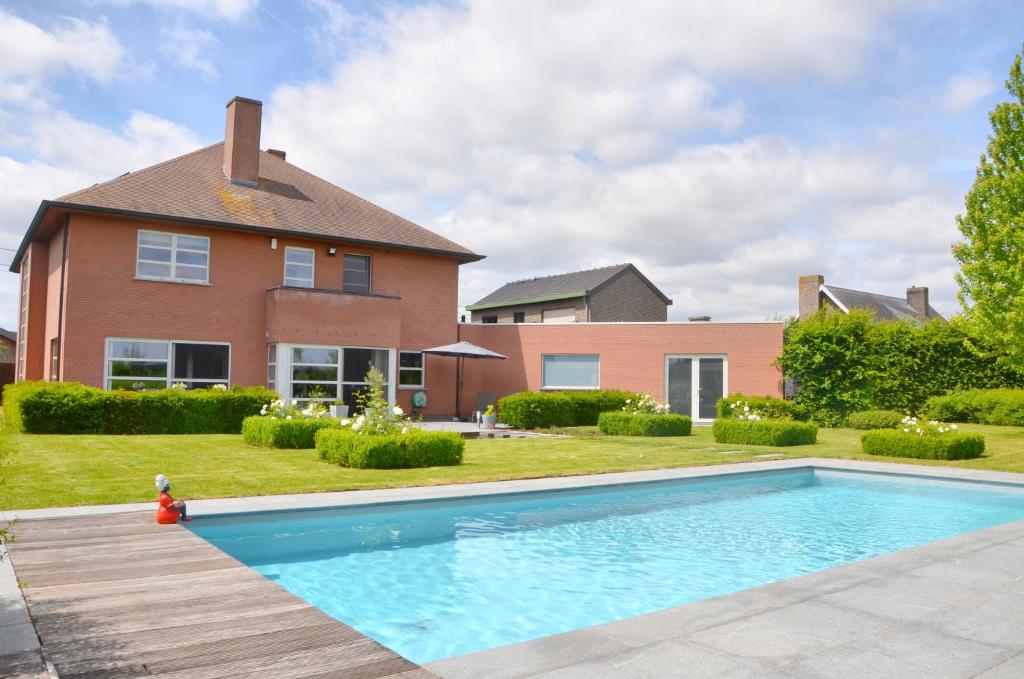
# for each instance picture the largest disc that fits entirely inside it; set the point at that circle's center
(242, 141)
(917, 298)
(810, 292)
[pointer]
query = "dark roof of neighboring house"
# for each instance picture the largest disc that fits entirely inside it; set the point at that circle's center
(9, 334)
(560, 286)
(886, 308)
(286, 200)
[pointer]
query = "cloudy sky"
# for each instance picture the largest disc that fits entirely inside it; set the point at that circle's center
(725, 148)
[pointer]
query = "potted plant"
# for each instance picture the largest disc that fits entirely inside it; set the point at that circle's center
(490, 417)
(339, 410)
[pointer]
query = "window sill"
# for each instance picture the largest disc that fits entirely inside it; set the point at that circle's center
(570, 388)
(171, 280)
(409, 387)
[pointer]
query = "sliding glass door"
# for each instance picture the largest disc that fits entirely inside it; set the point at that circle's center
(693, 384)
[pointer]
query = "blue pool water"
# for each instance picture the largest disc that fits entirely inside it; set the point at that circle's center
(437, 579)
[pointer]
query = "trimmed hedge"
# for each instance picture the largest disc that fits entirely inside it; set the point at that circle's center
(644, 424)
(770, 407)
(874, 419)
(764, 432)
(415, 448)
(948, 446)
(274, 432)
(73, 408)
(531, 410)
(983, 406)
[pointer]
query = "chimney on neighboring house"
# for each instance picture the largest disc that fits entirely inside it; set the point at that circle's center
(917, 298)
(810, 293)
(242, 141)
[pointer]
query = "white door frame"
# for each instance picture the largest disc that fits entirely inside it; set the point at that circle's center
(695, 381)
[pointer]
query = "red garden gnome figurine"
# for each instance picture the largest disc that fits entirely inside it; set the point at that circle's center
(169, 509)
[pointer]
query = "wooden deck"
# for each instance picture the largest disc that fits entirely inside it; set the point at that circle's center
(119, 596)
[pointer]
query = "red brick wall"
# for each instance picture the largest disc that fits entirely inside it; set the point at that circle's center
(105, 300)
(37, 257)
(54, 273)
(632, 354)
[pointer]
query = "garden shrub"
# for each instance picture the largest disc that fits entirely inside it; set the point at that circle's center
(73, 408)
(276, 432)
(874, 419)
(768, 406)
(983, 406)
(644, 424)
(764, 432)
(531, 409)
(841, 364)
(947, 446)
(414, 448)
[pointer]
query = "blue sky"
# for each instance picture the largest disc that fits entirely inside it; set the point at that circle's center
(725, 148)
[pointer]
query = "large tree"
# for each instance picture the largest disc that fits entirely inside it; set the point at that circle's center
(992, 256)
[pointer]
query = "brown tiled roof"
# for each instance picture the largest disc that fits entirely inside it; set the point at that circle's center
(287, 199)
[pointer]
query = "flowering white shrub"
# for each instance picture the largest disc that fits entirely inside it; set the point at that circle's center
(743, 411)
(220, 387)
(180, 386)
(910, 425)
(645, 405)
(378, 418)
(280, 409)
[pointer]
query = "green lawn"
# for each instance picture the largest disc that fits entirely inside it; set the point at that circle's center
(50, 471)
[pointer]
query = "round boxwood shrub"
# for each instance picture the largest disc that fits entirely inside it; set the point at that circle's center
(414, 448)
(644, 424)
(764, 432)
(946, 446)
(874, 419)
(277, 432)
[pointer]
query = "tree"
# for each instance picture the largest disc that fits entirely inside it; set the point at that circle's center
(991, 258)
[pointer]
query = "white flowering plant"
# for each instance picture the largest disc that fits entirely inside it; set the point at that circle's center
(645, 405)
(378, 417)
(284, 410)
(911, 425)
(743, 411)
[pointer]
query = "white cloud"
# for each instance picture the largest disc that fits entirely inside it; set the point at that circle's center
(964, 90)
(564, 135)
(185, 46)
(29, 55)
(229, 10)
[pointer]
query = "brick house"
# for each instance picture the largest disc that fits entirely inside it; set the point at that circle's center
(230, 265)
(618, 293)
(815, 295)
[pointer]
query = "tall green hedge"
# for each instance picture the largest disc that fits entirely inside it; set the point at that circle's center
(72, 408)
(843, 364)
(531, 410)
(984, 406)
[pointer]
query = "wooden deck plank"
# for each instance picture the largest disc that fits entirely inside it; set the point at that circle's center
(118, 596)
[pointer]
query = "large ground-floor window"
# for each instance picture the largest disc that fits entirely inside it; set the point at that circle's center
(157, 364)
(326, 374)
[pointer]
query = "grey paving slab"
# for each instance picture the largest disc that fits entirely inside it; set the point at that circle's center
(1008, 669)
(846, 662)
(935, 650)
(903, 596)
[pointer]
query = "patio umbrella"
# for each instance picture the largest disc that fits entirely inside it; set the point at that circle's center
(461, 351)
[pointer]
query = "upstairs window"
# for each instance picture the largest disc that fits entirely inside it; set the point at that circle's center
(298, 267)
(519, 317)
(173, 257)
(357, 274)
(490, 319)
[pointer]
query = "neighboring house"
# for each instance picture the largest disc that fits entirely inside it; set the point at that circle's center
(8, 345)
(815, 295)
(230, 265)
(618, 293)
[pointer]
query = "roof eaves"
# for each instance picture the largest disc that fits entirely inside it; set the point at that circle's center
(45, 205)
(834, 299)
(479, 306)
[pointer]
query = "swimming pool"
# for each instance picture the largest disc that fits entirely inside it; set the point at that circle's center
(441, 578)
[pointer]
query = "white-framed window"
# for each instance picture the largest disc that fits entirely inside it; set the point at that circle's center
(410, 370)
(571, 371)
(299, 265)
(141, 364)
(272, 367)
(356, 274)
(23, 317)
(328, 373)
(174, 257)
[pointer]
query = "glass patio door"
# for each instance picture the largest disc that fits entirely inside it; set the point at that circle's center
(693, 384)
